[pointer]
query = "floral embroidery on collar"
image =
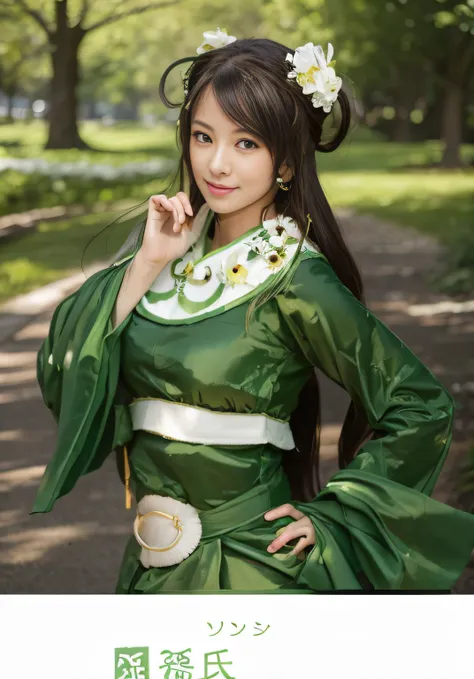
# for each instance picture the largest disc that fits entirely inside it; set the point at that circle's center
(197, 285)
(270, 243)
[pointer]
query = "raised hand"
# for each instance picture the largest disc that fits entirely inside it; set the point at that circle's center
(169, 228)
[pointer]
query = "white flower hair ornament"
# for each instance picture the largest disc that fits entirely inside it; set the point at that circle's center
(315, 73)
(212, 40)
(215, 39)
(312, 70)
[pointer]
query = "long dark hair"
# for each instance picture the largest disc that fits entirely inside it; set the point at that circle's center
(249, 80)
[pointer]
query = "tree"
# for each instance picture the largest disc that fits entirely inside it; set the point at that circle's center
(456, 20)
(120, 70)
(409, 51)
(65, 31)
(19, 48)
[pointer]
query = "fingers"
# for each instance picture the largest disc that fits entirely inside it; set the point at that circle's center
(300, 528)
(161, 203)
(178, 212)
(301, 545)
(186, 202)
(283, 510)
(179, 205)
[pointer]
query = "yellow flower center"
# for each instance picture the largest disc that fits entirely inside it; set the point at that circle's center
(274, 261)
(308, 77)
(237, 274)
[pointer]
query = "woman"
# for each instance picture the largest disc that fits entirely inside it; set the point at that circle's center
(212, 326)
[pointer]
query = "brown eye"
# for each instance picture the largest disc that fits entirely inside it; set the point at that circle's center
(248, 141)
(195, 134)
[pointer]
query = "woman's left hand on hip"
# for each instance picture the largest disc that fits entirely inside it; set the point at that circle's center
(300, 528)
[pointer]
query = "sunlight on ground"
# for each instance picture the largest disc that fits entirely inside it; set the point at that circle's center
(9, 517)
(17, 377)
(20, 394)
(11, 435)
(31, 545)
(22, 477)
(442, 307)
(16, 360)
(37, 330)
(28, 546)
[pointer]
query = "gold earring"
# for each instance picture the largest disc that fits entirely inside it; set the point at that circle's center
(282, 185)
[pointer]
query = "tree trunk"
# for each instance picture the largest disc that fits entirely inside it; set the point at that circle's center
(402, 129)
(134, 105)
(407, 92)
(459, 60)
(62, 115)
(93, 109)
(451, 131)
(10, 93)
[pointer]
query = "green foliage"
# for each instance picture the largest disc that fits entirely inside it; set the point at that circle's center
(460, 14)
(22, 46)
(390, 51)
(115, 145)
(466, 481)
(457, 276)
(20, 192)
(395, 182)
(391, 181)
(58, 248)
(122, 143)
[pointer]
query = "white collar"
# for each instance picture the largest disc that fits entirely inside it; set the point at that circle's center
(199, 285)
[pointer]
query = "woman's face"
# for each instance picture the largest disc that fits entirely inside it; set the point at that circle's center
(221, 154)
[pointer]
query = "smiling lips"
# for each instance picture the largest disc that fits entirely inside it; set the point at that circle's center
(219, 190)
(221, 186)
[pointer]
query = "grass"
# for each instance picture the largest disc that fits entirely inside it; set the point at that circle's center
(122, 143)
(466, 482)
(56, 249)
(401, 183)
(391, 181)
(438, 203)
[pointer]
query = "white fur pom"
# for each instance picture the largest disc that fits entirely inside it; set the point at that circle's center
(158, 531)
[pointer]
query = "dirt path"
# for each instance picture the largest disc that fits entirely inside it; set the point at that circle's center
(77, 548)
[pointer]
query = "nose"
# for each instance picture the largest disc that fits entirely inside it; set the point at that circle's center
(219, 164)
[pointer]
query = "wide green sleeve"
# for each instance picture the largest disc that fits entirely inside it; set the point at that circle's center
(78, 370)
(376, 524)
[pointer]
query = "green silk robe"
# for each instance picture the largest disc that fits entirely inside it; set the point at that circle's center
(375, 521)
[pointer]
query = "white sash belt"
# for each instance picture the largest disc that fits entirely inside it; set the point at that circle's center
(183, 422)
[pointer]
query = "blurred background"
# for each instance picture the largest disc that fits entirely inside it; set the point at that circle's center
(84, 137)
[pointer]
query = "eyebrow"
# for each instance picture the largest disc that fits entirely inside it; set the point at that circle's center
(209, 127)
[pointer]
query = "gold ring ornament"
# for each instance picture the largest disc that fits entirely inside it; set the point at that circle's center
(167, 530)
